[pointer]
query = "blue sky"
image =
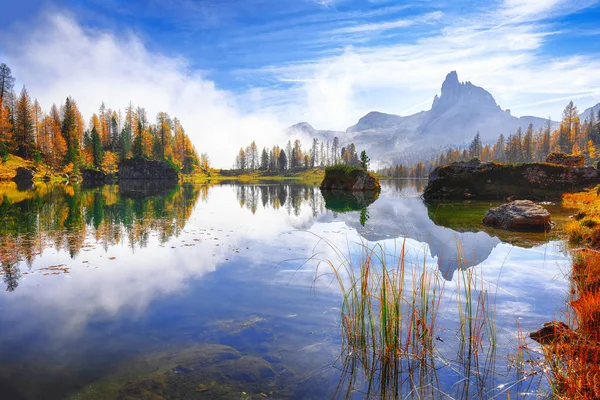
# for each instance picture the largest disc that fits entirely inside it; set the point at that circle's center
(265, 64)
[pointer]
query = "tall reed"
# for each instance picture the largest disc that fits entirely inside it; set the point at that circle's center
(389, 317)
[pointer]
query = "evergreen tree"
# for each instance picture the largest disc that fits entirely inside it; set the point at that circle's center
(282, 160)
(476, 147)
(364, 160)
(97, 151)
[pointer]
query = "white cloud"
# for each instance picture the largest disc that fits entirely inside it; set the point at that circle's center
(388, 25)
(59, 58)
(492, 49)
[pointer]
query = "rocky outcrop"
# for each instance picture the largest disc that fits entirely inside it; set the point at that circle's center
(349, 179)
(565, 159)
(486, 181)
(135, 169)
(91, 176)
(519, 215)
(24, 175)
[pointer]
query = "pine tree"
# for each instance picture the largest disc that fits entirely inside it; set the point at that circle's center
(364, 160)
(282, 160)
(475, 147)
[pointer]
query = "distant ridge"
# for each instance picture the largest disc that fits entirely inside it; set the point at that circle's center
(460, 111)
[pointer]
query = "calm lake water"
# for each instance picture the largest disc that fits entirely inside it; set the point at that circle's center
(217, 291)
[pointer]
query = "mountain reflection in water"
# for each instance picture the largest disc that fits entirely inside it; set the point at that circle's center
(103, 281)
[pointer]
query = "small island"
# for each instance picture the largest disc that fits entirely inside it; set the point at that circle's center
(348, 178)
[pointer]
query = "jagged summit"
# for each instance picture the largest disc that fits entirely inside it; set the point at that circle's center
(454, 92)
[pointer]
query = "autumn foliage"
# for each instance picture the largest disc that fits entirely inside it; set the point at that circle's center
(61, 136)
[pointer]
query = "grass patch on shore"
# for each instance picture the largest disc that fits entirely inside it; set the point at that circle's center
(8, 169)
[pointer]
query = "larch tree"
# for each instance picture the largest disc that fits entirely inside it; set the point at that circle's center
(24, 126)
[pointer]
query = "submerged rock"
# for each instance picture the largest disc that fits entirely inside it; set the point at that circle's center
(565, 159)
(24, 175)
(519, 215)
(551, 332)
(341, 177)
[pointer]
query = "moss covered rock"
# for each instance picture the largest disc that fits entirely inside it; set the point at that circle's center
(565, 159)
(342, 177)
(489, 180)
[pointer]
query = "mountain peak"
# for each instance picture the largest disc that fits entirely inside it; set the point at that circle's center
(451, 83)
(304, 127)
(454, 92)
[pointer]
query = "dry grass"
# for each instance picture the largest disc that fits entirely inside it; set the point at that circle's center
(574, 358)
(8, 168)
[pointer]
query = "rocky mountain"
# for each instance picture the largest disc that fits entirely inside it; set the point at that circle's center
(456, 115)
(588, 113)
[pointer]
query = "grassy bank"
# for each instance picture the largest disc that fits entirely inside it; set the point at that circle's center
(312, 176)
(574, 356)
(8, 169)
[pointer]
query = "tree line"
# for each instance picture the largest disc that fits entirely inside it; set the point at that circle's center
(62, 139)
(571, 136)
(293, 157)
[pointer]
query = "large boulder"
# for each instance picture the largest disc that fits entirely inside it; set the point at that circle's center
(147, 169)
(565, 159)
(341, 177)
(24, 175)
(92, 176)
(490, 180)
(519, 215)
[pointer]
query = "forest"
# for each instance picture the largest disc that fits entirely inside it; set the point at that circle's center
(292, 157)
(570, 136)
(61, 139)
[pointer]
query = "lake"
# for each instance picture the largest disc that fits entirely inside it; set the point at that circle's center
(227, 291)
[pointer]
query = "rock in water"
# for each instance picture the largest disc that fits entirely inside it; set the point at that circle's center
(341, 177)
(552, 332)
(24, 175)
(91, 176)
(490, 180)
(519, 215)
(565, 159)
(147, 169)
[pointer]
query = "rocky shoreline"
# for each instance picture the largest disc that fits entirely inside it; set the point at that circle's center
(491, 181)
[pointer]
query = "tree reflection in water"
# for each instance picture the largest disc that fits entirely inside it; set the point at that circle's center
(63, 216)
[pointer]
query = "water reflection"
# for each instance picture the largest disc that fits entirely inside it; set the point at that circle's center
(115, 280)
(61, 217)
